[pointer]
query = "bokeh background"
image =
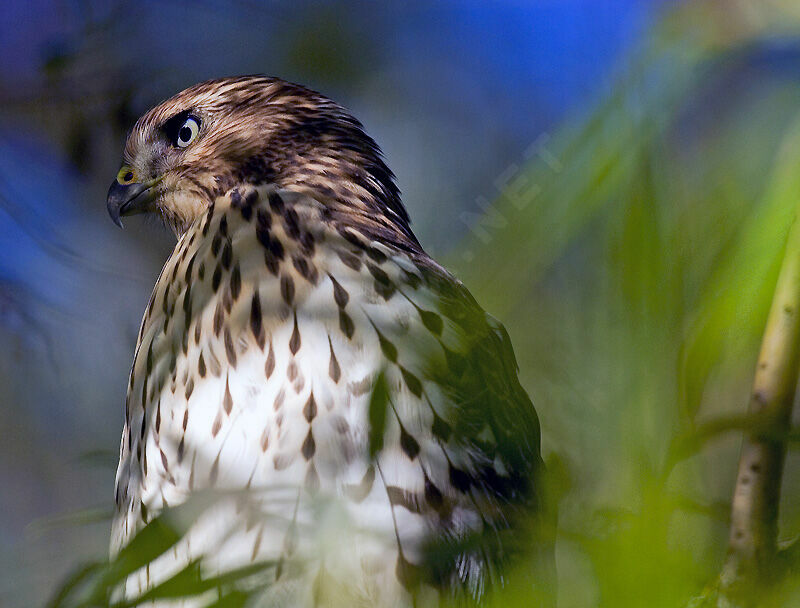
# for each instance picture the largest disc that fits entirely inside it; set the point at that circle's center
(613, 179)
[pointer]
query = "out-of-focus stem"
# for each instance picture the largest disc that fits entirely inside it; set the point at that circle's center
(754, 512)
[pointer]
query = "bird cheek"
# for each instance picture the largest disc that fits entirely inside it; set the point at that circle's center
(170, 183)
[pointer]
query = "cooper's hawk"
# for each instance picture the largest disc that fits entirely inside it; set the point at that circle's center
(300, 345)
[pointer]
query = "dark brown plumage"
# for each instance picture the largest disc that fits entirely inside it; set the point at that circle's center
(257, 130)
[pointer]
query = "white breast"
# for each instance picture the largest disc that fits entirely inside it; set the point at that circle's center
(218, 405)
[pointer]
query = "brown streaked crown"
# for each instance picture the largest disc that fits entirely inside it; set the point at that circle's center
(255, 129)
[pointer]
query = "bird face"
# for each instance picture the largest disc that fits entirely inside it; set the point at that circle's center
(192, 148)
(154, 171)
(186, 151)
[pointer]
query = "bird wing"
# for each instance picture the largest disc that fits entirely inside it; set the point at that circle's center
(456, 407)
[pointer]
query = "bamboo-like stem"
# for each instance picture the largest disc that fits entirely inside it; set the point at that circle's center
(754, 512)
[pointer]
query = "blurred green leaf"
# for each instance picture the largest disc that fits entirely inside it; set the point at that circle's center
(378, 405)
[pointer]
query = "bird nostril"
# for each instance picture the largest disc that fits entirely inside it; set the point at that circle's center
(126, 175)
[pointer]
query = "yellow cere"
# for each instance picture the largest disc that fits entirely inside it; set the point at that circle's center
(126, 175)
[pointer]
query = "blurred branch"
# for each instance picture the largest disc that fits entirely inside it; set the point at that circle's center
(754, 512)
(756, 423)
(752, 548)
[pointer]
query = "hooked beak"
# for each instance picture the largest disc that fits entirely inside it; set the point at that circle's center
(130, 198)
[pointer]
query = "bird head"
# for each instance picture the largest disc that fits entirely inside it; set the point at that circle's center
(190, 149)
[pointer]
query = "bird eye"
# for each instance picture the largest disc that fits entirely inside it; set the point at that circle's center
(188, 132)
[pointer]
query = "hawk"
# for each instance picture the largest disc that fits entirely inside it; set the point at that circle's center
(355, 409)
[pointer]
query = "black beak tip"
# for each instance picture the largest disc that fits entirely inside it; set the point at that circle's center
(115, 201)
(115, 218)
(130, 199)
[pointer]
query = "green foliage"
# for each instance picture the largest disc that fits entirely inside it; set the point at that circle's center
(632, 260)
(378, 405)
(634, 267)
(98, 583)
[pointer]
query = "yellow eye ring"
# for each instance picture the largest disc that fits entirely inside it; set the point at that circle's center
(126, 176)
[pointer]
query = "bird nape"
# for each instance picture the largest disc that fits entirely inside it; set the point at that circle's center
(354, 413)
